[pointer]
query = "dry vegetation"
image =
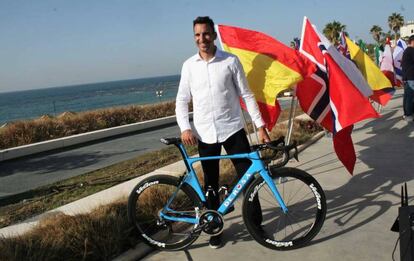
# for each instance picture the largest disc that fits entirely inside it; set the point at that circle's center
(101, 235)
(47, 128)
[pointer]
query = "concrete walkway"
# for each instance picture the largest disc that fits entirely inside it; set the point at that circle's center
(361, 208)
(30, 172)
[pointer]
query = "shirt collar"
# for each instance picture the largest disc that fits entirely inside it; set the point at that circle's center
(219, 54)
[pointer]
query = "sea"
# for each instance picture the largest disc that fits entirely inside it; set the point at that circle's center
(30, 104)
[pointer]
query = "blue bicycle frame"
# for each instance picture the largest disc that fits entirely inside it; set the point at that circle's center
(191, 179)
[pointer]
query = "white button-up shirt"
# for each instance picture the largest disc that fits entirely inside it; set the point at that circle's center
(215, 87)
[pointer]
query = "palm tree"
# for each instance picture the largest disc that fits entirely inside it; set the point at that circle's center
(332, 31)
(395, 21)
(376, 32)
(295, 43)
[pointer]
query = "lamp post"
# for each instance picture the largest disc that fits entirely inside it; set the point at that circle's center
(159, 94)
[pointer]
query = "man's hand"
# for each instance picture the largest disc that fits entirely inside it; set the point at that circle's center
(188, 138)
(263, 135)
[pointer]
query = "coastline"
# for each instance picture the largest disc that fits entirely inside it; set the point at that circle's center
(85, 97)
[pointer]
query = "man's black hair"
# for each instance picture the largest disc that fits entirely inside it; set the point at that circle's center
(411, 39)
(204, 20)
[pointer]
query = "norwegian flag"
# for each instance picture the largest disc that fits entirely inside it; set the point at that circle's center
(335, 95)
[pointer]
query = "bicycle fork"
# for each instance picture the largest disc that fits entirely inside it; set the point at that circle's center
(269, 181)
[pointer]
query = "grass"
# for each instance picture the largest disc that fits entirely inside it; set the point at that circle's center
(103, 233)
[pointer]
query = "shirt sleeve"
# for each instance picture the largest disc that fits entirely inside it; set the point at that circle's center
(183, 99)
(246, 94)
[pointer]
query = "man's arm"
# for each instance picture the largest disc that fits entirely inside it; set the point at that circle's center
(244, 91)
(181, 108)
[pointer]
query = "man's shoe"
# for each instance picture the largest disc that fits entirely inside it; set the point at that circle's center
(408, 118)
(215, 241)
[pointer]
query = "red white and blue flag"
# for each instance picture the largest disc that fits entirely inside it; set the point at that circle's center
(343, 47)
(336, 94)
(397, 57)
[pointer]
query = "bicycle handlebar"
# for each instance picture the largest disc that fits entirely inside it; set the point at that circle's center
(275, 145)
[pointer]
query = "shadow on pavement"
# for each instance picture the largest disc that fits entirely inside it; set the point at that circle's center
(366, 196)
(57, 162)
(390, 162)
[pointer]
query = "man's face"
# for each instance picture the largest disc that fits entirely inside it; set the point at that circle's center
(204, 37)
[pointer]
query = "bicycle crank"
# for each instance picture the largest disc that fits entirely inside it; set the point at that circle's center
(211, 222)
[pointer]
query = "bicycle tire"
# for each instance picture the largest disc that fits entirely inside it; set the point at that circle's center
(306, 205)
(148, 198)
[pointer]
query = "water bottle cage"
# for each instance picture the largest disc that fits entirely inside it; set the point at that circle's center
(210, 190)
(224, 188)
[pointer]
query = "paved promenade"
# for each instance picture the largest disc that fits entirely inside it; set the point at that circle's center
(361, 208)
(23, 174)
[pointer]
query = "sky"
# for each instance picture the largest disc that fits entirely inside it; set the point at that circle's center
(51, 43)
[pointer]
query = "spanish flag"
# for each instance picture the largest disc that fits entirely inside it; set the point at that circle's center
(269, 65)
(381, 86)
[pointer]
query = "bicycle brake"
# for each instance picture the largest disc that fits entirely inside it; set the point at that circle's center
(296, 153)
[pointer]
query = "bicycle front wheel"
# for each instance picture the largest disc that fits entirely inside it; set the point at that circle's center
(306, 205)
(149, 198)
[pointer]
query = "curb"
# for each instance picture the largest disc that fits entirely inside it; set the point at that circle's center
(314, 139)
(25, 150)
(137, 253)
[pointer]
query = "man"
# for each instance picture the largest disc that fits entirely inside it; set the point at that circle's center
(407, 64)
(214, 80)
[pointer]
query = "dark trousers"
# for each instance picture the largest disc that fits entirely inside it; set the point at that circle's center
(236, 143)
(408, 98)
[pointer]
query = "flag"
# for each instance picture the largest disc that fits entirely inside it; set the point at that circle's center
(397, 57)
(343, 47)
(378, 54)
(297, 43)
(269, 65)
(377, 81)
(362, 45)
(337, 90)
(387, 63)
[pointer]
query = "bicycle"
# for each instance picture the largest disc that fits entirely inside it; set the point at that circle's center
(169, 212)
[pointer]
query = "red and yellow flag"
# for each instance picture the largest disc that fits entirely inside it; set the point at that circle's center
(269, 65)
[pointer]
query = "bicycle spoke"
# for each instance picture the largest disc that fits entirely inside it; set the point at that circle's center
(304, 217)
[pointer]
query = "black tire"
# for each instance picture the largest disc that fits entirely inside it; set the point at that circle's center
(306, 205)
(148, 198)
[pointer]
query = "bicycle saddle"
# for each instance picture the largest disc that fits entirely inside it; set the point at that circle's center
(169, 141)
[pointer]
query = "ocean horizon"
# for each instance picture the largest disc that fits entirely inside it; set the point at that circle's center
(34, 103)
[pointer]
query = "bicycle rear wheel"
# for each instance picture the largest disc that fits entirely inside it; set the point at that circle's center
(306, 205)
(146, 202)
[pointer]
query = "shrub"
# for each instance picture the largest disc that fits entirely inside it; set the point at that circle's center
(46, 128)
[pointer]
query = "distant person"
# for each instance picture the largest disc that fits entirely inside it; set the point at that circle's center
(213, 80)
(407, 64)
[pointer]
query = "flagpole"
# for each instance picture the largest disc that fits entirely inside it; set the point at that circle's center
(293, 105)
